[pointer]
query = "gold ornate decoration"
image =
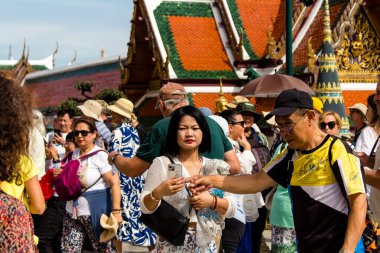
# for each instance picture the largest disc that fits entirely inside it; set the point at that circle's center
(271, 45)
(240, 45)
(221, 101)
(166, 73)
(311, 56)
(358, 53)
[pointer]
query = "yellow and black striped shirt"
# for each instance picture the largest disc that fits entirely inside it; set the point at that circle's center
(320, 209)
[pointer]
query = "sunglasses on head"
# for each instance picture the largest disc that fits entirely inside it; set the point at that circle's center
(330, 124)
(84, 133)
(241, 123)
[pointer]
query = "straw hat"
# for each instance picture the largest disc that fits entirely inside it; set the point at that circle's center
(362, 109)
(91, 109)
(123, 106)
(237, 100)
(110, 225)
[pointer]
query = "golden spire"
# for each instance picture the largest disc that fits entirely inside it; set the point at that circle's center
(326, 21)
(102, 53)
(221, 101)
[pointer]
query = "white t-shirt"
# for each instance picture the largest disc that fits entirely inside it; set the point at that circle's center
(90, 170)
(366, 140)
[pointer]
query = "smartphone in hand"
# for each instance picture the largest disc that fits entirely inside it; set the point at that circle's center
(174, 171)
(57, 132)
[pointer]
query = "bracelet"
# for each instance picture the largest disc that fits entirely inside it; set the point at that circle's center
(115, 209)
(114, 158)
(215, 203)
(153, 198)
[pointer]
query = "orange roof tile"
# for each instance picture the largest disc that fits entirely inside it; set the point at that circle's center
(352, 97)
(198, 43)
(315, 31)
(257, 16)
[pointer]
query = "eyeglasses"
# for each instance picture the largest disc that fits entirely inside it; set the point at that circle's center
(241, 123)
(330, 124)
(84, 133)
(287, 128)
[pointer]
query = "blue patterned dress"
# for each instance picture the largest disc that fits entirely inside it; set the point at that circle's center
(125, 141)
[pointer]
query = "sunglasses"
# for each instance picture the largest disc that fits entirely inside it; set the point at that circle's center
(241, 123)
(330, 124)
(84, 133)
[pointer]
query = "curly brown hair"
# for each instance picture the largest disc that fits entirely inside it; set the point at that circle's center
(16, 119)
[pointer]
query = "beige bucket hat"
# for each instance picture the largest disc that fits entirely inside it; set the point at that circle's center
(123, 107)
(91, 109)
(110, 225)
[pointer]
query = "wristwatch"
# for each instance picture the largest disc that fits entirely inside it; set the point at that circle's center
(114, 157)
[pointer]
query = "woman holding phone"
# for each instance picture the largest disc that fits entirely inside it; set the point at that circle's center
(189, 138)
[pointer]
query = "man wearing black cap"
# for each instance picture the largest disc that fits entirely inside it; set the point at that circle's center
(323, 177)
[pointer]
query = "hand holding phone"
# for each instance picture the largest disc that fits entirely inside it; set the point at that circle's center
(174, 171)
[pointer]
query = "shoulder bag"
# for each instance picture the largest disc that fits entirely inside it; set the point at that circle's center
(167, 222)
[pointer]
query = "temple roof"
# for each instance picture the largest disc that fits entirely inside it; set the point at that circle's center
(190, 31)
(255, 17)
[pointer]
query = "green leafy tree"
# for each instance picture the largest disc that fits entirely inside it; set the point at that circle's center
(70, 104)
(85, 87)
(110, 95)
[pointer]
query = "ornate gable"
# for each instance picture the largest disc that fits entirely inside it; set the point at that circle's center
(358, 50)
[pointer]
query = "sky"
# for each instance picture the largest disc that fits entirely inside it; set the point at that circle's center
(84, 26)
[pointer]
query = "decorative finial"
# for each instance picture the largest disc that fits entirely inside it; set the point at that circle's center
(221, 87)
(167, 61)
(27, 53)
(55, 53)
(23, 50)
(240, 45)
(74, 58)
(10, 53)
(221, 101)
(102, 53)
(326, 21)
(271, 44)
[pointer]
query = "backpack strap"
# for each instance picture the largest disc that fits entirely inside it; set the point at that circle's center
(373, 153)
(91, 154)
(92, 184)
(67, 158)
(336, 171)
(87, 156)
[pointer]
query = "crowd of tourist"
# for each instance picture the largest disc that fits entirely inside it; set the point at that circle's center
(91, 182)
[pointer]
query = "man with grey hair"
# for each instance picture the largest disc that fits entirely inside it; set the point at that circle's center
(171, 97)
